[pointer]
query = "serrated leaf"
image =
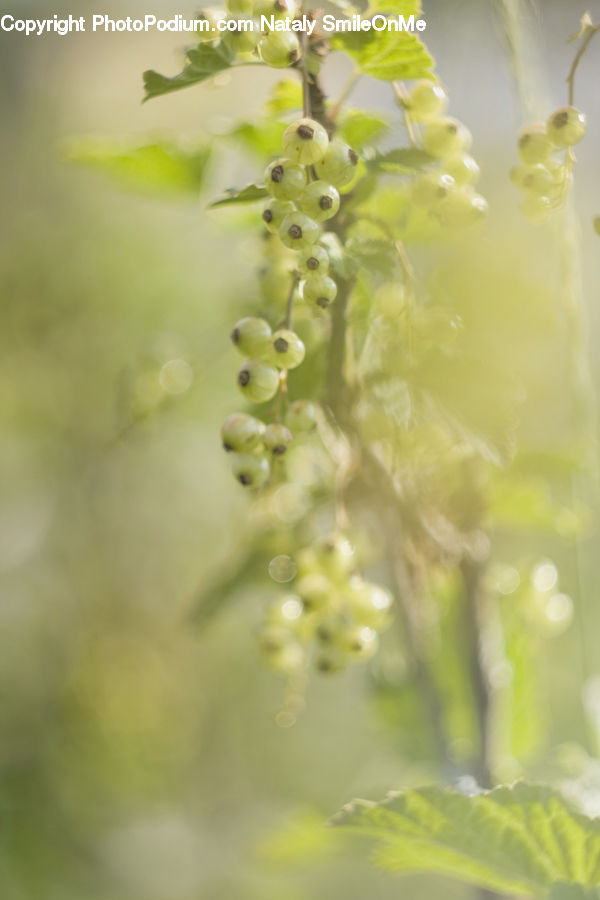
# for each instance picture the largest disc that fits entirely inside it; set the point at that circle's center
(386, 55)
(406, 159)
(378, 257)
(201, 63)
(360, 128)
(519, 840)
(286, 96)
(159, 166)
(250, 194)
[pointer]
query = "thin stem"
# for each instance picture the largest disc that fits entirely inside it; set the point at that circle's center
(289, 306)
(306, 104)
(579, 56)
(402, 95)
(337, 107)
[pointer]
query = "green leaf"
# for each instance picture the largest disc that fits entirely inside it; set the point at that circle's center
(160, 166)
(286, 96)
(519, 840)
(262, 138)
(360, 128)
(571, 892)
(379, 257)
(250, 194)
(201, 63)
(386, 55)
(404, 159)
(397, 7)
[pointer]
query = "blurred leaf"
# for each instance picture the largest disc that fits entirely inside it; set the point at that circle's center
(162, 165)
(360, 128)
(201, 63)
(286, 96)
(379, 257)
(407, 159)
(250, 194)
(212, 600)
(571, 892)
(264, 138)
(527, 505)
(397, 7)
(519, 840)
(386, 55)
(303, 839)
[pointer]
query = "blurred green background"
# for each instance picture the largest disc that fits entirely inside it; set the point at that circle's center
(139, 757)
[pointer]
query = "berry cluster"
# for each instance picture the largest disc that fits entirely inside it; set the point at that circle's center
(447, 192)
(546, 168)
(332, 618)
(300, 203)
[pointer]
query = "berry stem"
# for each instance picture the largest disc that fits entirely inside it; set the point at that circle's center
(337, 107)
(578, 57)
(401, 94)
(289, 306)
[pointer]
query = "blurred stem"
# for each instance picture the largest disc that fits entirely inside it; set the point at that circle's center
(586, 40)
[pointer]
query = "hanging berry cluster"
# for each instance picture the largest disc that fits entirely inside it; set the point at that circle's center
(446, 192)
(545, 172)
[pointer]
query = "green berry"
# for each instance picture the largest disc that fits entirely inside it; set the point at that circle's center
(281, 9)
(298, 231)
(427, 100)
(241, 432)
(566, 126)
(360, 642)
(277, 438)
(242, 39)
(211, 16)
(281, 650)
(536, 208)
(338, 166)
(302, 415)
(319, 200)
(250, 470)
(463, 168)
(258, 381)
(330, 661)
(284, 179)
(287, 350)
(314, 260)
(371, 605)
(315, 590)
(534, 145)
(252, 336)
(431, 188)
(285, 611)
(319, 290)
(275, 212)
(461, 207)
(336, 557)
(536, 179)
(279, 49)
(305, 141)
(445, 137)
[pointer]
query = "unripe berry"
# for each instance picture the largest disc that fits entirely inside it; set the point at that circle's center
(537, 179)
(338, 166)
(445, 137)
(330, 661)
(211, 16)
(241, 432)
(336, 556)
(252, 336)
(463, 168)
(461, 207)
(275, 212)
(305, 141)
(536, 208)
(250, 470)
(314, 260)
(258, 381)
(284, 179)
(281, 9)
(431, 188)
(298, 231)
(279, 49)
(280, 649)
(242, 39)
(319, 290)
(285, 611)
(277, 438)
(319, 200)
(315, 590)
(287, 350)
(360, 642)
(301, 416)
(371, 604)
(534, 145)
(566, 126)
(427, 100)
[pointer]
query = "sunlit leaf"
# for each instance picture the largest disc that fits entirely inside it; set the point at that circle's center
(386, 55)
(360, 128)
(201, 63)
(250, 194)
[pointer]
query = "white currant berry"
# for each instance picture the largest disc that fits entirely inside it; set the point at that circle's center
(302, 415)
(250, 470)
(305, 141)
(241, 432)
(533, 144)
(427, 100)
(463, 168)
(319, 200)
(257, 380)
(537, 179)
(314, 260)
(243, 38)
(316, 591)
(277, 438)
(336, 556)
(319, 290)
(275, 212)
(536, 208)
(329, 661)
(338, 166)
(431, 188)
(287, 350)
(280, 649)
(360, 642)
(279, 49)
(371, 604)
(445, 137)
(461, 207)
(284, 179)
(252, 336)
(210, 33)
(281, 9)
(566, 126)
(298, 231)
(287, 611)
